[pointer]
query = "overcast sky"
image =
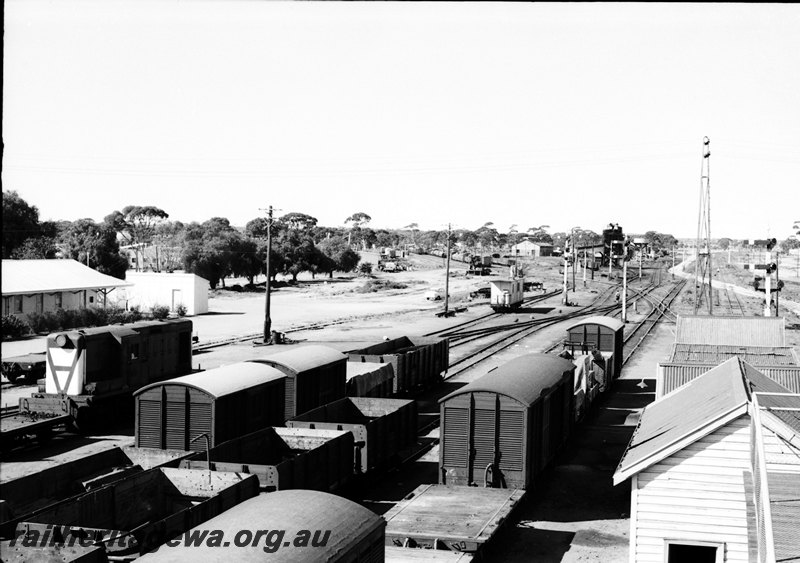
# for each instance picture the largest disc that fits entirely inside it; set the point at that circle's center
(530, 114)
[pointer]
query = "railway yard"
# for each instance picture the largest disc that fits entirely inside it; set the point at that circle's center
(565, 508)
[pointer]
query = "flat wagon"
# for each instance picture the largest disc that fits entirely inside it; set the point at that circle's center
(222, 404)
(418, 362)
(459, 519)
(286, 458)
(381, 427)
(303, 526)
(315, 375)
(136, 514)
(502, 429)
(604, 334)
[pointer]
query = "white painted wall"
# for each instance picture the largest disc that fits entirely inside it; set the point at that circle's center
(150, 288)
(704, 493)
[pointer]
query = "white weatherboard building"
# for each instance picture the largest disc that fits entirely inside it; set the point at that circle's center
(715, 471)
(170, 289)
(38, 286)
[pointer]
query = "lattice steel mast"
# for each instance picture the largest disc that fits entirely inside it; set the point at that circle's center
(702, 265)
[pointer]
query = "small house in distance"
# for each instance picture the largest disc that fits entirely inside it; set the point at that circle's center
(39, 286)
(714, 468)
(531, 249)
(169, 289)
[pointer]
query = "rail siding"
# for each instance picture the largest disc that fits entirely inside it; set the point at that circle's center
(670, 506)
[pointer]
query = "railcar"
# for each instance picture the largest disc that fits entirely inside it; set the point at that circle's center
(504, 428)
(302, 526)
(506, 294)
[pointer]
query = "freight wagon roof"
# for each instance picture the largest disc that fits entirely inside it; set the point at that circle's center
(695, 410)
(24, 277)
(736, 331)
(224, 380)
(758, 356)
(290, 511)
(522, 379)
(304, 358)
(608, 322)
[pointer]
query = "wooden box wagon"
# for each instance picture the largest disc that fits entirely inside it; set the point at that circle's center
(503, 429)
(604, 334)
(222, 403)
(315, 375)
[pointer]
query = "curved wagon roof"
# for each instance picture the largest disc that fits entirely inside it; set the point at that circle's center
(224, 380)
(523, 379)
(290, 511)
(608, 322)
(304, 358)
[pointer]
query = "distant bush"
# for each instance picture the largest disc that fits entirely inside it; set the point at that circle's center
(181, 310)
(373, 286)
(159, 312)
(14, 327)
(365, 268)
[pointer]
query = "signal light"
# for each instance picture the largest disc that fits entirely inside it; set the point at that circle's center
(772, 266)
(757, 283)
(771, 242)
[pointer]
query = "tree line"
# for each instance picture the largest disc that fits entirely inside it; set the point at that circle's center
(215, 249)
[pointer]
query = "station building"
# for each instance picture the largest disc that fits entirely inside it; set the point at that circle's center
(38, 286)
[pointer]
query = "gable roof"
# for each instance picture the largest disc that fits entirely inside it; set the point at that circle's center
(24, 277)
(735, 331)
(684, 416)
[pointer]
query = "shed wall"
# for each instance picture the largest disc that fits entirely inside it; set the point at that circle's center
(151, 289)
(701, 493)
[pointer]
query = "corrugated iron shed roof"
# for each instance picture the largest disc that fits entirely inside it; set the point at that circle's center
(693, 410)
(736, 331)
(784, 504)
(609, 322)
(758, 356)
(290, 511)
(25, 277)
(522, 379)
(224, 380)
(304, 358)
(786, 408)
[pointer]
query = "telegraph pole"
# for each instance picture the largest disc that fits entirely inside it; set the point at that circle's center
(267, 319)
(447, 276)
